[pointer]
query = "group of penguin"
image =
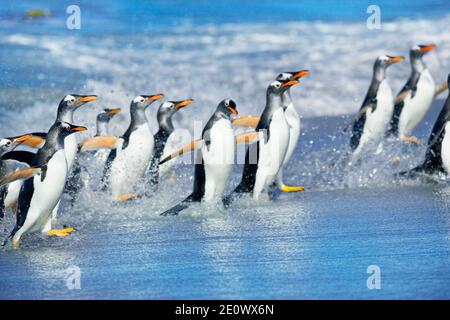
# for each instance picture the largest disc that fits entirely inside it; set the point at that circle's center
(381, 115)
(32, 184)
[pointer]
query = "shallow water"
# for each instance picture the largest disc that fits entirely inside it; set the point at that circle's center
(315, 244)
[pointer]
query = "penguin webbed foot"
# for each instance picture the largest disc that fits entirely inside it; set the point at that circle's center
(126, 197)
(286, 188)
(412, 140)
(60, 232)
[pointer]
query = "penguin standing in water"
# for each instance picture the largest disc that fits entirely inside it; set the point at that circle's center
(10, 193)
(415, 99)
(264, 159)
(376, 111)
(66, 108)
(43, 186)
(437, 157)
(214, 160)
(102, 124)
(293, 120)
(166, 129)
(134, 150)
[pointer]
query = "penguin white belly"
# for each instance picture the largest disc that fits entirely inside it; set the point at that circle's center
(218, 159)
(132, 162)
(71, 148)
(445, 148)
(271, 154)
(46, 194)
(293, 121)
(377, 121)
(13, 193)
(415, 109)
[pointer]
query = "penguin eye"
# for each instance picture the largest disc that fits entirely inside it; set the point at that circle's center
(277, 85)
(226, 104)
(8, 143)
(72, 100)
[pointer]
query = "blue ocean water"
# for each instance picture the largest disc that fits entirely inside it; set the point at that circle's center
(315, 244)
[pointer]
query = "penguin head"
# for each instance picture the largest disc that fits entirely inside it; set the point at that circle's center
(107, 114)
(418, 51)
(143, 101)
(9, 144)
(60, 130)
(227, 107)
(294, 75)
(278, 86)
(65, 128)
(71, 102)
(169, 108)
(382, 62)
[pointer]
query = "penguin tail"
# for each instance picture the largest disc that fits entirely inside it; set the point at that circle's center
(13, 232)
(413, 173)
(3, 191)
(175, 210)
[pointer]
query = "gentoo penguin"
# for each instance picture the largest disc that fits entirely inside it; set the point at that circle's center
(437, 157)
(293, 121)
(99, 156)
(134, 150)
(166, 129)
(376, 110)
(9, 194)
(214, 159)
(40, 194)
(66, 108)
(416, 97)
(102, 121)
(264, 159)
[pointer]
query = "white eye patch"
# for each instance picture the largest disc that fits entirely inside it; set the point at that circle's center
(138, 99)
(69, 98)
(4, 142)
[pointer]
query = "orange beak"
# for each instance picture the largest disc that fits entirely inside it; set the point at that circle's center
(183, 103)
(22, 138)
(300, 74)
(155, 97)
(289, 83)
(427, 48)
(86, 99)
(78, 128)
(396, 59)
(111, 112)
(232, 110)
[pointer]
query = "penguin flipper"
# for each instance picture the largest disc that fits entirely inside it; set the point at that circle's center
(175, 210)
(21, 156)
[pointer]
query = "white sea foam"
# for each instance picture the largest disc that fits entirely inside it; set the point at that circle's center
(237, 61)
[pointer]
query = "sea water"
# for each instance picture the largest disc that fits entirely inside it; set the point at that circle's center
(316, 244)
